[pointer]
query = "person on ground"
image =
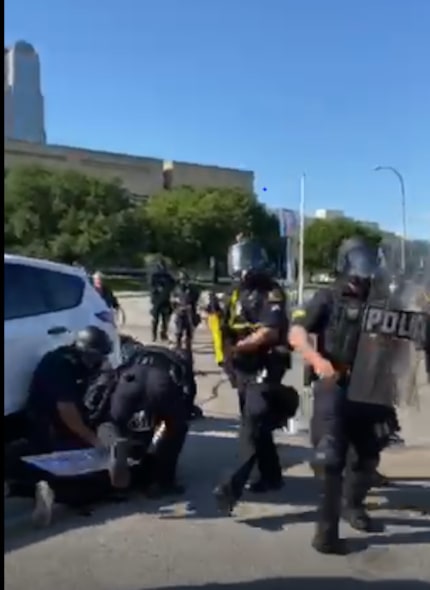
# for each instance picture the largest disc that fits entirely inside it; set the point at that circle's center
(57, 419)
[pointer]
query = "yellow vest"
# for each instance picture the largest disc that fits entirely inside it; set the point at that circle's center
(234, 321)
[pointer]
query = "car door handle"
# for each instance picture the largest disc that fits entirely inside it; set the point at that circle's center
(57, 330)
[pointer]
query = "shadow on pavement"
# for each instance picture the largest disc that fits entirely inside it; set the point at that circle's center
(211, 451)
(404, 494)
(320, 583)
(215, 424)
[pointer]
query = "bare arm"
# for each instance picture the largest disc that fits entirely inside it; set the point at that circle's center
(272, 320)
(299, 339)
(260, 338)
(308, 321)
(72, 418)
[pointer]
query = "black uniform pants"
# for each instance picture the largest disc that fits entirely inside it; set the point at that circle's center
(163, 400)
(160, 311)
(164, 460)
(184, 328)
(263, 406)
(357, 451)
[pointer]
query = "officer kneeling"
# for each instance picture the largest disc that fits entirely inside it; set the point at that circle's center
(343, 431)
(77, 401)
(151, 405)
(254, 330)
(58, 421)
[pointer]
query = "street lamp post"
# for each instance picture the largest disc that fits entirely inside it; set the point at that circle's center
(301, 273)
(403, 202)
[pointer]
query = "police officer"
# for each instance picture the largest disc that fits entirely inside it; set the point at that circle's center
(184, 300)
(150, 393)
(254, 328)
(161, 286)
(57, 418)
(55, 408)
(343, 432)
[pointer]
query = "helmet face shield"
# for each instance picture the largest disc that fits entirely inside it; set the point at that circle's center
(245, 257)
(362, 263)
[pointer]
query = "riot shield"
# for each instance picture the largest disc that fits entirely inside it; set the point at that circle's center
(390, 364)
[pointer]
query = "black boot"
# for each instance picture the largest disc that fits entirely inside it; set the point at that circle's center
(326, 539)
(357, 485)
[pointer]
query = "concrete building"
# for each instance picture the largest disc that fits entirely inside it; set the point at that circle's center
(25, 141)
(338, 214)
(142, 176)
(200, 176)
(328, 214)
(24, 118)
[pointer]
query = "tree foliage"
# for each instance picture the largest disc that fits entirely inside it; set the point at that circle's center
(324, 236)
(188, 223)
(69, 216)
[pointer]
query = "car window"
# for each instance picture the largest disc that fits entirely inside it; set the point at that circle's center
(23, 292)
(63, 291)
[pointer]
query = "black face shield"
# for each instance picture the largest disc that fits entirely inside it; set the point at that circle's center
(246, 257)
(361, 263)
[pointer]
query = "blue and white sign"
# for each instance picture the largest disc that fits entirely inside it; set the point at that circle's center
(288, 222)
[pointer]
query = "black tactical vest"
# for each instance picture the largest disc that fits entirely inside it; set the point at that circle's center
(343, 331)
(244, 311)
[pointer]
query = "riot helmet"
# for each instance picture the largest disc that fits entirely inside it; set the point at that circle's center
(357, 258)
(358, 261)
(246, 259)
(94, 345)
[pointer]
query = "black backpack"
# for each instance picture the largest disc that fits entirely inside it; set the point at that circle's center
(178, 363)
(101, 388)
(98, 395)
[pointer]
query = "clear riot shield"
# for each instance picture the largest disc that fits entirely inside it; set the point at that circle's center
(390, 365)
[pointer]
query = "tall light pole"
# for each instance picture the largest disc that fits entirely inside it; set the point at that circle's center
(301, 273)
(403, 203)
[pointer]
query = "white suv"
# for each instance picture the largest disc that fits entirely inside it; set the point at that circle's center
(45, 303)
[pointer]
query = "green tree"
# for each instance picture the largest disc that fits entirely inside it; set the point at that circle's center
(70, 216)
(190, 224)
(324, 236)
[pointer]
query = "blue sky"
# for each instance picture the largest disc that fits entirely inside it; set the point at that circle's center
(330, 87)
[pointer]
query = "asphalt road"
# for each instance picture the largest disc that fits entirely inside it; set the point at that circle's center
(143, 544)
